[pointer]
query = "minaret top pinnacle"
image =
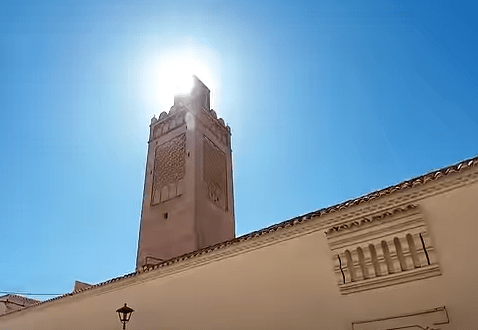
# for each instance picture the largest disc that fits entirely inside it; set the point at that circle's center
(197, 98)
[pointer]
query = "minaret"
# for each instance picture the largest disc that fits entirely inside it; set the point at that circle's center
(188, 199)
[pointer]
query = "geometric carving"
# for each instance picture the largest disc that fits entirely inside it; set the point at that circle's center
(169, 169)
(383, 249)
(426, 320)
(215, 174)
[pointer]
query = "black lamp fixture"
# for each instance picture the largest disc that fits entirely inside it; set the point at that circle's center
(124, 314)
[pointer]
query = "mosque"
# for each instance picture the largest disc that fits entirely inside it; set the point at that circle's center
(403, 257)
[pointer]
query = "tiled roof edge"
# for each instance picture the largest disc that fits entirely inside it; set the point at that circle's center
(413, 182)
(21, 297)
(420, 180)
(365, 220)
(39, 302)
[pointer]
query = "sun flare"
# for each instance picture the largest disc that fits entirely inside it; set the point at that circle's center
(171, 73)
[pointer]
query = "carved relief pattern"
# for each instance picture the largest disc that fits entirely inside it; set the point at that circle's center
(169, 168)
(214, 174)
(167, 125)
(389, 248)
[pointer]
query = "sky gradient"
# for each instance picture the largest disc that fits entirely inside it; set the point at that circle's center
(327, 100)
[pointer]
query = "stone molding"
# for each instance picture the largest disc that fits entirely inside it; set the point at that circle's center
(425, 320)
(366, 220)
(392, 279)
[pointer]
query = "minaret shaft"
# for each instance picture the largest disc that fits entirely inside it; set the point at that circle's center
(188, 192)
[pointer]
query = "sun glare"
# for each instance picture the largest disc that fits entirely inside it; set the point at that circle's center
(171, 73)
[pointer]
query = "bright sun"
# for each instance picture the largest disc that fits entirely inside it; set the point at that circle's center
(171, 73)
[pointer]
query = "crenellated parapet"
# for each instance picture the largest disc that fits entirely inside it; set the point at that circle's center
(167, 122)
(218, 128)
(176, 118)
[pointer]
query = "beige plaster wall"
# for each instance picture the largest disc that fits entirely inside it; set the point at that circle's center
(286, 285)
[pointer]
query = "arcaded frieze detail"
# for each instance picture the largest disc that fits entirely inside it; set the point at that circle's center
(169, 169)
(431, 319)
(215, 174)
(382, 249)
(167, 123)
(217, 127)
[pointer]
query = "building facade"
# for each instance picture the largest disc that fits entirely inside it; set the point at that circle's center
(403, 257)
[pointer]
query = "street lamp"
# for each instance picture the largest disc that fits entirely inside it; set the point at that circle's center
(124, 314)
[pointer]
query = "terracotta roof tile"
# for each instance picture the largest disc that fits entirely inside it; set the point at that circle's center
(29, 300)
(431, 176)
(367, 220)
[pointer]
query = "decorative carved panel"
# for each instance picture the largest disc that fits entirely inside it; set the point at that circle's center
(215, 174)
(169, 169)
(383, 249)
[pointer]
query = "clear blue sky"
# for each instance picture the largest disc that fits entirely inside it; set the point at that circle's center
(327, 100)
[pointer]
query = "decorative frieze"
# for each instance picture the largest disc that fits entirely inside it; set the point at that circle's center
(169, 169)
(167, 123)
(382, 249)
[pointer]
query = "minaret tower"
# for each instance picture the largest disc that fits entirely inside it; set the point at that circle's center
(188, 199)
